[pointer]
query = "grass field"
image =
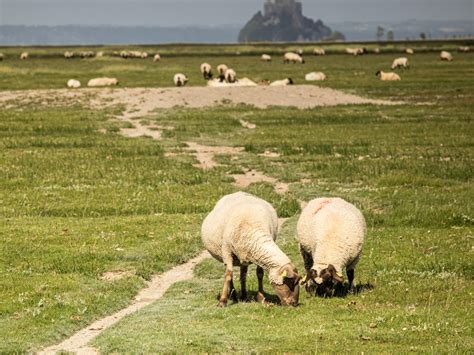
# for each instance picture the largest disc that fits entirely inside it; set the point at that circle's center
(77, 203)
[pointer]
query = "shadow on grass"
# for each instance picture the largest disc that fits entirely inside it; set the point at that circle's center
(344, 291)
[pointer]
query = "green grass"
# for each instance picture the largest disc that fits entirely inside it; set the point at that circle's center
(76, 203)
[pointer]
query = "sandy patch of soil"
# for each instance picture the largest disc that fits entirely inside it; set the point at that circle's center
(156, 288)
(205, 154)
(268, 154)
(140, 102)
(247, 125)
(114, 275)
(251, 177)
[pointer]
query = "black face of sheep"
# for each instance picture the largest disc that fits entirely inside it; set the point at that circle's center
(290, 81)
(323, 284)
(377, 74)
(289, 291)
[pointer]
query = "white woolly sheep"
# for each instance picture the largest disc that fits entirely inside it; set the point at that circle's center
(284, 82)
(2, 57)
(446, 56)
(300, 51)
(221, 69)
(68, 55)
(387, 76)
(124, 54)
(24, 56)
(266, 58)
(99, 54)
(315, 76)
(157, 58)
(464, 49)
(74, 84)
(86, 54)
(400, 63)
(409, 51)
(241, 230)
(331, 235)
(355, 51)
(217, 83)
(293, 58)
(319, 51)
(230, 76)
(377, 50)
(206, 71)
(180, 80)
(97, 82)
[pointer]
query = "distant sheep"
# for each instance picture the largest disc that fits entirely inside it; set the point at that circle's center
(315, 76)
(319, 51)
(355, 51)
(68, 55)
(284, 82)
(446, 56)
(2, 57)
(99, 54)
(87, 54)
(180, 80)
(156, 58)
(377, 50)
(97, 82)
(409, 51)
(293, 58)
(464, 49)
(24, 56)
(206, 71)
(221, 69)
(230, 76)
(241, 230)
(266, 58)
(300, 51)
(400, 63)
(244, 82)
(387, 76)
(73, 84)
(331, 234)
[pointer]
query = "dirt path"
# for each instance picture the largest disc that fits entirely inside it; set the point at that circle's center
(205, 154)
(156, 288)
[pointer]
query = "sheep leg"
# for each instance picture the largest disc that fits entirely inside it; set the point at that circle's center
(233, 292)
(228, 285)
(260, 294)
(350, 278)
(243, 281)
(307, 258)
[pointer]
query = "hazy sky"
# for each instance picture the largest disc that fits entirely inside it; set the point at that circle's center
(218, 12)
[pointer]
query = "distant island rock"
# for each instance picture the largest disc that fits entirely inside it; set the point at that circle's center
(283, 21)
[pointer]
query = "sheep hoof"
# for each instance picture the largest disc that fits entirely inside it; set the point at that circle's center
(222, 303)
(261, 298)
(244, 298)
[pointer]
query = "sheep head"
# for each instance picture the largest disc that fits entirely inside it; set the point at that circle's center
(288, 291)
(322, 283)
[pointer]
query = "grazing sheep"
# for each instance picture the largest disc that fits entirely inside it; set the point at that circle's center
(400, 63)
(97, 82)
(24, 56)
(387, 76)
(221, 69)
(99, 54)
(315, 76)
(230, 76)
(180, 80)
(300, 51)
(2, 57)
(331, 235)
(293, 58)
(144, 55)
(377, 50)
(241, 230)
(124, 54)
(87, 54)
(206, 71)
(464, 49)
(446, 56)
(266, 58)
(156, 58)
(355, 51)
(68, 55)
(409, 51)
(73, 84)
(319, 51)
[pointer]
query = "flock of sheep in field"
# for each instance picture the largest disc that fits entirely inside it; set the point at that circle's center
(242, 229)
(228, 76)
